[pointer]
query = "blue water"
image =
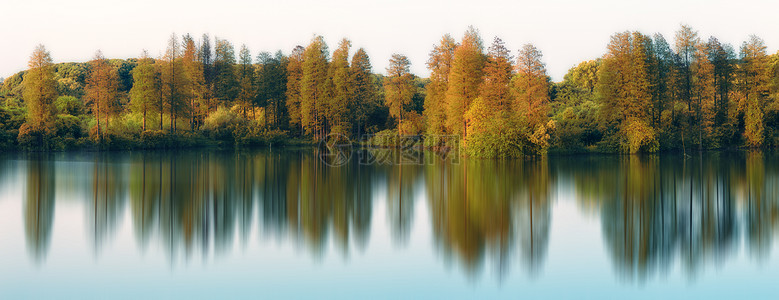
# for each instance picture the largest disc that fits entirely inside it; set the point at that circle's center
(282, 224)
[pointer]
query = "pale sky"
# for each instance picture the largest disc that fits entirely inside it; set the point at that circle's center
(567, 31)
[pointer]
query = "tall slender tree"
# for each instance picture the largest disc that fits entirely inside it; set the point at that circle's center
(205, 54)
(294, 97)
(465, 77)
(196, 89)
(313, 87)
(272, 85)
(341, 100)
(225, 80)
(363, 90)
(144, 90)
(439, 64)
(176, 84)
(101, 90)
(40, 91)
(753, 81)
(399, 87)
(246, 85)
(531, 86)
(498, 72)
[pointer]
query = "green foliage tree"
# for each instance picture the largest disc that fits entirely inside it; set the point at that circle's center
(195, 91)
(226, 86)
(272, 86)
(206, 59)
(294, 97)
(39, 95)
(246, 85)
(144, 90)
(753, 81)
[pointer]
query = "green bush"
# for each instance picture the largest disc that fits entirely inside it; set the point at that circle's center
(224, 126)
(68, 126)
(69, 105)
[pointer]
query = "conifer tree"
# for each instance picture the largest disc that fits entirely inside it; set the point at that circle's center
(721, 57)
(294, 76)
(246, 85)
(272, 85)
(313, 87)
(625, 94)
(101, 91)
(531, 87)
(40, 91)
(439, 64)
(225, 80)
(465, 77)
(498, 72)
(753, 81)
(144, 90)
(399, 87)
(206, 59)
(340, 103)
(193, 70)
(363, 90)
(176, 85)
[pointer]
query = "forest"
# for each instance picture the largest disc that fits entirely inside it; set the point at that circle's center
(642, 96)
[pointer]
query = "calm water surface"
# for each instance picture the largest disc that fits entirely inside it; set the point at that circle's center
(282, 224)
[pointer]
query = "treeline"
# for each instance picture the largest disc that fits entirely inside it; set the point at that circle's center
(642, 96)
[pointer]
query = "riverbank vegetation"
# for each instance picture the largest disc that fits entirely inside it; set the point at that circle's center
(642, 95)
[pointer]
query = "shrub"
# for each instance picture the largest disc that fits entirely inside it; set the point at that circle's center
(69, 105)
(34, 138)
(68, 126)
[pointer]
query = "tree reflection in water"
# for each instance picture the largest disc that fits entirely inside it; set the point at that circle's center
(653, 210)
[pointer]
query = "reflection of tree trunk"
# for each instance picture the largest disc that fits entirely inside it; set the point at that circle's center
(531, 227)
(400, 193)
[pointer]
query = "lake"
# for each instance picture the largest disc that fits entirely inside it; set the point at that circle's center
(285, 223)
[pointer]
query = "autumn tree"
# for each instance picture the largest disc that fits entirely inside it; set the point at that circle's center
(465, 77)
(686, 42)
(340, 110)
(439, 63)
(398, 87)
(40, 91)
(144, 90)
(362, 89)
(293, 96)
(101, 90)
(498, 72)
(531, 86)
(313, 87)
(624, 93)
